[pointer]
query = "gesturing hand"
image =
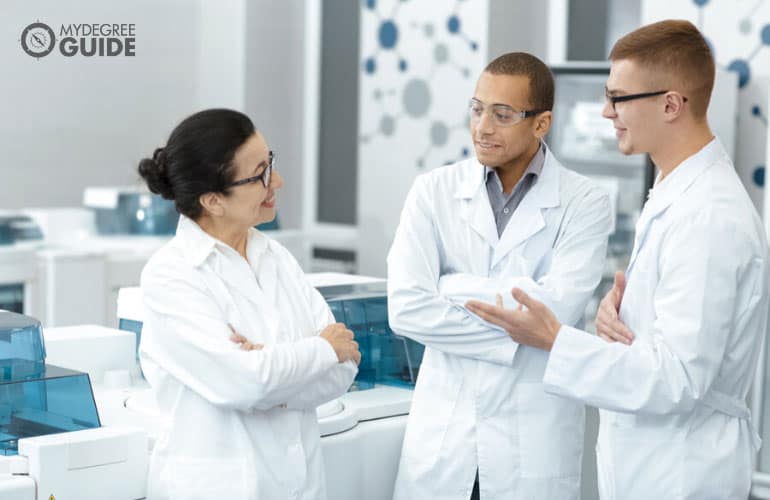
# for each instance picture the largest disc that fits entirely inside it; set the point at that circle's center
(532, 323)
(608, 323)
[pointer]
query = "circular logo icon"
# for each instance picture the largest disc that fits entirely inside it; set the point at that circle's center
(38, 40)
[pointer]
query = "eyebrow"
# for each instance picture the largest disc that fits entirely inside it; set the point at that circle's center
(613, 92)
(494, 104)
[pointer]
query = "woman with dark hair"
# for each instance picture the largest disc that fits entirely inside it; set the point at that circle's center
(238, 347)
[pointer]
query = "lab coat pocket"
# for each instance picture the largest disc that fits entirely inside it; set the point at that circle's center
(207, 478)
(550, 432)
(640, 448)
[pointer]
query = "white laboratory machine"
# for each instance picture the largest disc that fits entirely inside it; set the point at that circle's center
(52, 444)
(361, 432)
(20, 239)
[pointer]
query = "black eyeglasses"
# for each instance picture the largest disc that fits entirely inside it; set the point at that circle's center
(614, 99)
(264, 176)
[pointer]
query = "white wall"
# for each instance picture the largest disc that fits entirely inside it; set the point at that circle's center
(412, 120)
(66, 123)
(275, 92)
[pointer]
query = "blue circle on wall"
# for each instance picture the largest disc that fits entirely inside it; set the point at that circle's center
(453, 25)
(371, 4)
(759, 176)
(700, 3)
(403, 65)
(388, 34)
(765, 34)
(370, 65)
(741, 67)
(756, 110)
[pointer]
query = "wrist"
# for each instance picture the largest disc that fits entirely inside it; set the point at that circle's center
(554, 329)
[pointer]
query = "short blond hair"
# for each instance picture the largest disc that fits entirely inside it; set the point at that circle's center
(677, 54)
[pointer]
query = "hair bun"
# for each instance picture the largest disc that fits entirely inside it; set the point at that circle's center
(153, 171)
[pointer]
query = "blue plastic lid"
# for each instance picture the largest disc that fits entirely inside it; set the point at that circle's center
(21, 337)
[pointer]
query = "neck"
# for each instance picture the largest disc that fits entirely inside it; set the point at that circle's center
(233, 237)
(510, 173)
(681, 146)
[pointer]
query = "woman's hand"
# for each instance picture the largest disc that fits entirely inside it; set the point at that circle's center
(341, 340)
(243, 341)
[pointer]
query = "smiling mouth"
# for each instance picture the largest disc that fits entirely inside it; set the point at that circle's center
(486, 146)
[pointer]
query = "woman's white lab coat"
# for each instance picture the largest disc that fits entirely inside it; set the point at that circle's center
(479, 401)
(675, 423)
(240, 424)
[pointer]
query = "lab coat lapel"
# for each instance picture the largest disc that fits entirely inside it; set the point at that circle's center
(666, 192)
(527, 219)
(238, 275)
(476, 210)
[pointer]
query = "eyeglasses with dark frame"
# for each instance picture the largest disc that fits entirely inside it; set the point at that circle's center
(614, 99)
(264, 176)
(502, 115)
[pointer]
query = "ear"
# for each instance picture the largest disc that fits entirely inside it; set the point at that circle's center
(674, 106)
(212, 204)
(543, 124)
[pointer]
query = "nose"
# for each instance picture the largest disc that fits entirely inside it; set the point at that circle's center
(485, 124)
(608, 111)
(276, 181)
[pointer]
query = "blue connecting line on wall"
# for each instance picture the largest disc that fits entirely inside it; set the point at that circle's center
(416, 94)
(387, 37)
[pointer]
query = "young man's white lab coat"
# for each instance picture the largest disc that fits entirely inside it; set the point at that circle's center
(675, 423)
(479, 400)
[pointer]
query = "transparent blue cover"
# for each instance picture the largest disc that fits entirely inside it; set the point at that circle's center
(386, 358)
(12, 297)
(138, 213)
(38, 399)
(21, 337)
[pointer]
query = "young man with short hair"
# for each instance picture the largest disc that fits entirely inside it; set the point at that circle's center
(682, 329)
(480, 423)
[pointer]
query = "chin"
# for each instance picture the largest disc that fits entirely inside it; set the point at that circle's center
(486, 159)
(266, 216)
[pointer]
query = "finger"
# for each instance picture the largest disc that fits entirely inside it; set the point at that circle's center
(620, 282)
(605, 337)
(622, 330)
(523, 299)
(487, 312)
(619, 332)
(357, 357)
(257, 347)
(607, 309)
(499, 300)
(238, 338)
